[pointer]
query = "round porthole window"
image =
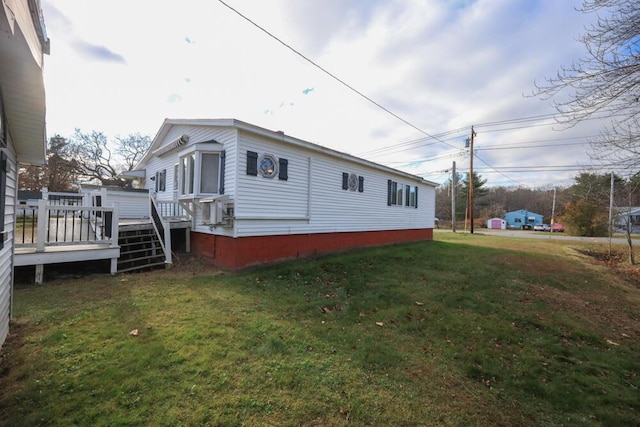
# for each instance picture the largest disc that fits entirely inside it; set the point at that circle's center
(353, 182)
(268, 166)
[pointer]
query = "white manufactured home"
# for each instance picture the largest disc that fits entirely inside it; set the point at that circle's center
(23, 42)
(256, 195)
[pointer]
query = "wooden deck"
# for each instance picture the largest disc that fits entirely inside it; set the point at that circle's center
(73, 228)
(72, 239)
(28, 255)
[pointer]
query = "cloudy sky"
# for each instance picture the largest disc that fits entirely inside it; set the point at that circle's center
(433, 67)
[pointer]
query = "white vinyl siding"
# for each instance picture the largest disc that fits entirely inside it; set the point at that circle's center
(313, 200)
(6, 253)
(131, 205)
(168, 161)
(309, 199)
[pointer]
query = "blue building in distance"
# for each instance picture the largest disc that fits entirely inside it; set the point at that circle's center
(522, 219)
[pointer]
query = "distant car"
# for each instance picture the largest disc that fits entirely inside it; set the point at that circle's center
(542, 227)
(557, 227)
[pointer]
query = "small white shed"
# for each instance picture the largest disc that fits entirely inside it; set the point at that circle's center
(497, 223)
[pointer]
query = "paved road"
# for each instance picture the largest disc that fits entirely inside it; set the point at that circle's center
(545, 235)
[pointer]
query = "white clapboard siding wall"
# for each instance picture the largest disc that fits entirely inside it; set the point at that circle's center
(131, 205)
(312, 199)
(260, 197)
(197, 134)
(6, 253)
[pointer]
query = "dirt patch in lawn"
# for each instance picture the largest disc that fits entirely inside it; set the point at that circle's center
(613, 309)
(618, 262)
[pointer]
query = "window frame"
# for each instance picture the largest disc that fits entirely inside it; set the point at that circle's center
(402, 194)
(190, 170)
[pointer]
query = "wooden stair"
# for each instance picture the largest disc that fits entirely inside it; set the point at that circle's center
(140, 249)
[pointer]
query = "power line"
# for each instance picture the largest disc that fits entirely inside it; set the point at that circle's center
(330, 74)
(518, 120)
(508, 177)
(491, 148)
(418, 143)
(423, 141)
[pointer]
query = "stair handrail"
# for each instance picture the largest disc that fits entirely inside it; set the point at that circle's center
(162, 229)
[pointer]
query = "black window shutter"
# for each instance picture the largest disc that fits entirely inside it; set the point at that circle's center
(163, 180)
(3, 191)
(223, 160)
(389, 182)
(283, 170)
(416, 197)
(252, 163)
(156, 181)
(345, 180)
(407, 189)
(361, 184)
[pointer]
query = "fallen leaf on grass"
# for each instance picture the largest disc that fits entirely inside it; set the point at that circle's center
(419, 303)
(325, 310)
(379, 323)
(134, 333)
(612, 342)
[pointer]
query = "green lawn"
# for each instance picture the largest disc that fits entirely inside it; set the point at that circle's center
(464, 330)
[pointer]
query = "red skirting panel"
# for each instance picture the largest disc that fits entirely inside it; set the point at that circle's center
(227, 252)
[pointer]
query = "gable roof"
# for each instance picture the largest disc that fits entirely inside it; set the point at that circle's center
(277, 135)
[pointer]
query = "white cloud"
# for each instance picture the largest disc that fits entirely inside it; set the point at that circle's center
(441, 65)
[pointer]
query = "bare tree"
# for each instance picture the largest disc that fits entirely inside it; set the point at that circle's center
(131, 149)
(96, 159)
(605, 81)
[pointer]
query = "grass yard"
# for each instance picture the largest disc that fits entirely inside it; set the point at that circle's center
(464, 330)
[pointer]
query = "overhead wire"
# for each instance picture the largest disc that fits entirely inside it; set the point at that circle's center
(421, 142)
(330, 74)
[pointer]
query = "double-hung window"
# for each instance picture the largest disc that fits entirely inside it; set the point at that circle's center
(201, 171)
(399, 194)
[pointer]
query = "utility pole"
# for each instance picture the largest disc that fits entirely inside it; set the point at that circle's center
(471, 180)
(553, 209)
(454, 185)
(611, 214)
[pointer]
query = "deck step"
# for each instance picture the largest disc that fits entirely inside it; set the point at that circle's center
(137, 245)
(141, 257)
(157, 249)
(140, 249)
(142, 267)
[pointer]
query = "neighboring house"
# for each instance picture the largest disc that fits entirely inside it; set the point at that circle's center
(23, 41)
(130, 204)
(257, 195)
(27, 198)
(522, 219)
(629, 215)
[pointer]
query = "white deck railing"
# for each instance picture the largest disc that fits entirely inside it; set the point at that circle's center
(44, 224)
